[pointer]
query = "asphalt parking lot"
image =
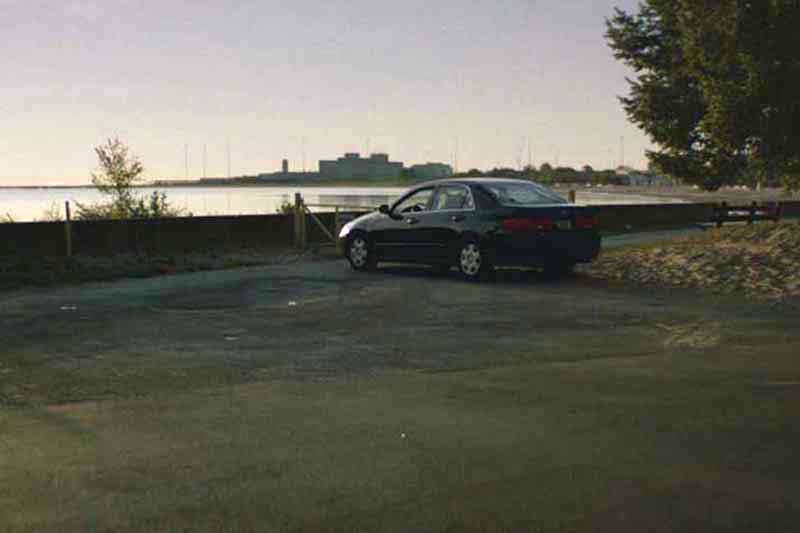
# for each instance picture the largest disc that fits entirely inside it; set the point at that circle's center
(319, 319)
(400, 400)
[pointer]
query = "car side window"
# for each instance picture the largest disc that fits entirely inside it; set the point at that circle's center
(415, 203)
(452, 198)
(483, 198)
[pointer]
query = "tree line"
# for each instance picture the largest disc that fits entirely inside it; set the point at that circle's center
(548, 174)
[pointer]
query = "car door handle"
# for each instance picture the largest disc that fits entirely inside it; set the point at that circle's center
(411, 221)
(457, 218)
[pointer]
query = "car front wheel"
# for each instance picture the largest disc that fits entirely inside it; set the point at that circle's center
(359, 254)
(473, 261)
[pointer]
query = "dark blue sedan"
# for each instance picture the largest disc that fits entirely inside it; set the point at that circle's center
(476, 225)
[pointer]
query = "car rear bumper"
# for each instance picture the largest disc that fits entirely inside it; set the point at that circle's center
(542, 248)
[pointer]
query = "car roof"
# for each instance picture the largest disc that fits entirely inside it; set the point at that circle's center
(471, 181)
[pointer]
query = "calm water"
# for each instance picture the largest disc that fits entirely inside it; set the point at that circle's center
(31, 204)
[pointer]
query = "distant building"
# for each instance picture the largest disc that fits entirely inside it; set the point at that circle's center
(285, 166)
(353, 166)
(431, 171)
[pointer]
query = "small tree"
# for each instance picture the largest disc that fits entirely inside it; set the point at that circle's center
(117, 175)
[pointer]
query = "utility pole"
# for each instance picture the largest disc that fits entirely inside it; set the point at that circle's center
(303, 152)
(622, 151)
(186, 161)
(205, 160)
(228, 143)
(530, 158)
(455, 162)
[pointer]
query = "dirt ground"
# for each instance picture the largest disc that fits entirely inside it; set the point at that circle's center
(307, 397)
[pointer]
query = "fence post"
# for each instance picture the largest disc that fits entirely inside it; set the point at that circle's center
(336, 229)
(297, 208)
(752, 213)
(303, 225)
(68, 228)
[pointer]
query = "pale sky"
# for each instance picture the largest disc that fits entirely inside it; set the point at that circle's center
(411, 78)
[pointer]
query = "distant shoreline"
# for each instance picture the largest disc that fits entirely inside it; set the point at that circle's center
(287, 183)
(679, 192)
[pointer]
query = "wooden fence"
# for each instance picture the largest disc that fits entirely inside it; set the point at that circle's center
(181, 235)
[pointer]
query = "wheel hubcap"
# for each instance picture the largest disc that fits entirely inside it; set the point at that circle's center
(358, 252)
(470, 259)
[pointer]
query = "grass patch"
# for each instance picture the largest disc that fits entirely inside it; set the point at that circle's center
(18, 272)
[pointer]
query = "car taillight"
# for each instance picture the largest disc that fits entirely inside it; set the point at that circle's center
(585, 222)
(529, 224)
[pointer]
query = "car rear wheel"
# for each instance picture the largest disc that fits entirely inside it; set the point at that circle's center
(473, 261)
(360, 254)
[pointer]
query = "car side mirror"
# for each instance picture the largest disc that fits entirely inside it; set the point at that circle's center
(384, 209)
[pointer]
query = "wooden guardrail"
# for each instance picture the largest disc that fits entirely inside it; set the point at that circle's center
(750, 213)
(302, 211)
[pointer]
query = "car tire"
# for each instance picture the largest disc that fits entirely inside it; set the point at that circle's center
(474, 262)
(360, 253)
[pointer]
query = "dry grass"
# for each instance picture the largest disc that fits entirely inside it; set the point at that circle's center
(761, 261)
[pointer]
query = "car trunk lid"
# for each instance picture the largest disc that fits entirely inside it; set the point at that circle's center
(549, 218)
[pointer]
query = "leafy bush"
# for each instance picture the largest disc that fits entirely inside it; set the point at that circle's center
(154, 206)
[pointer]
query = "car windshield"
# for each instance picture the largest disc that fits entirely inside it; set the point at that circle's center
(520, 193)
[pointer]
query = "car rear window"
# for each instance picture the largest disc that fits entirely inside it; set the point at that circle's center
(514, 193)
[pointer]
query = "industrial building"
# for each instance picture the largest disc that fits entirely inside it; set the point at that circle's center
(353, 166)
